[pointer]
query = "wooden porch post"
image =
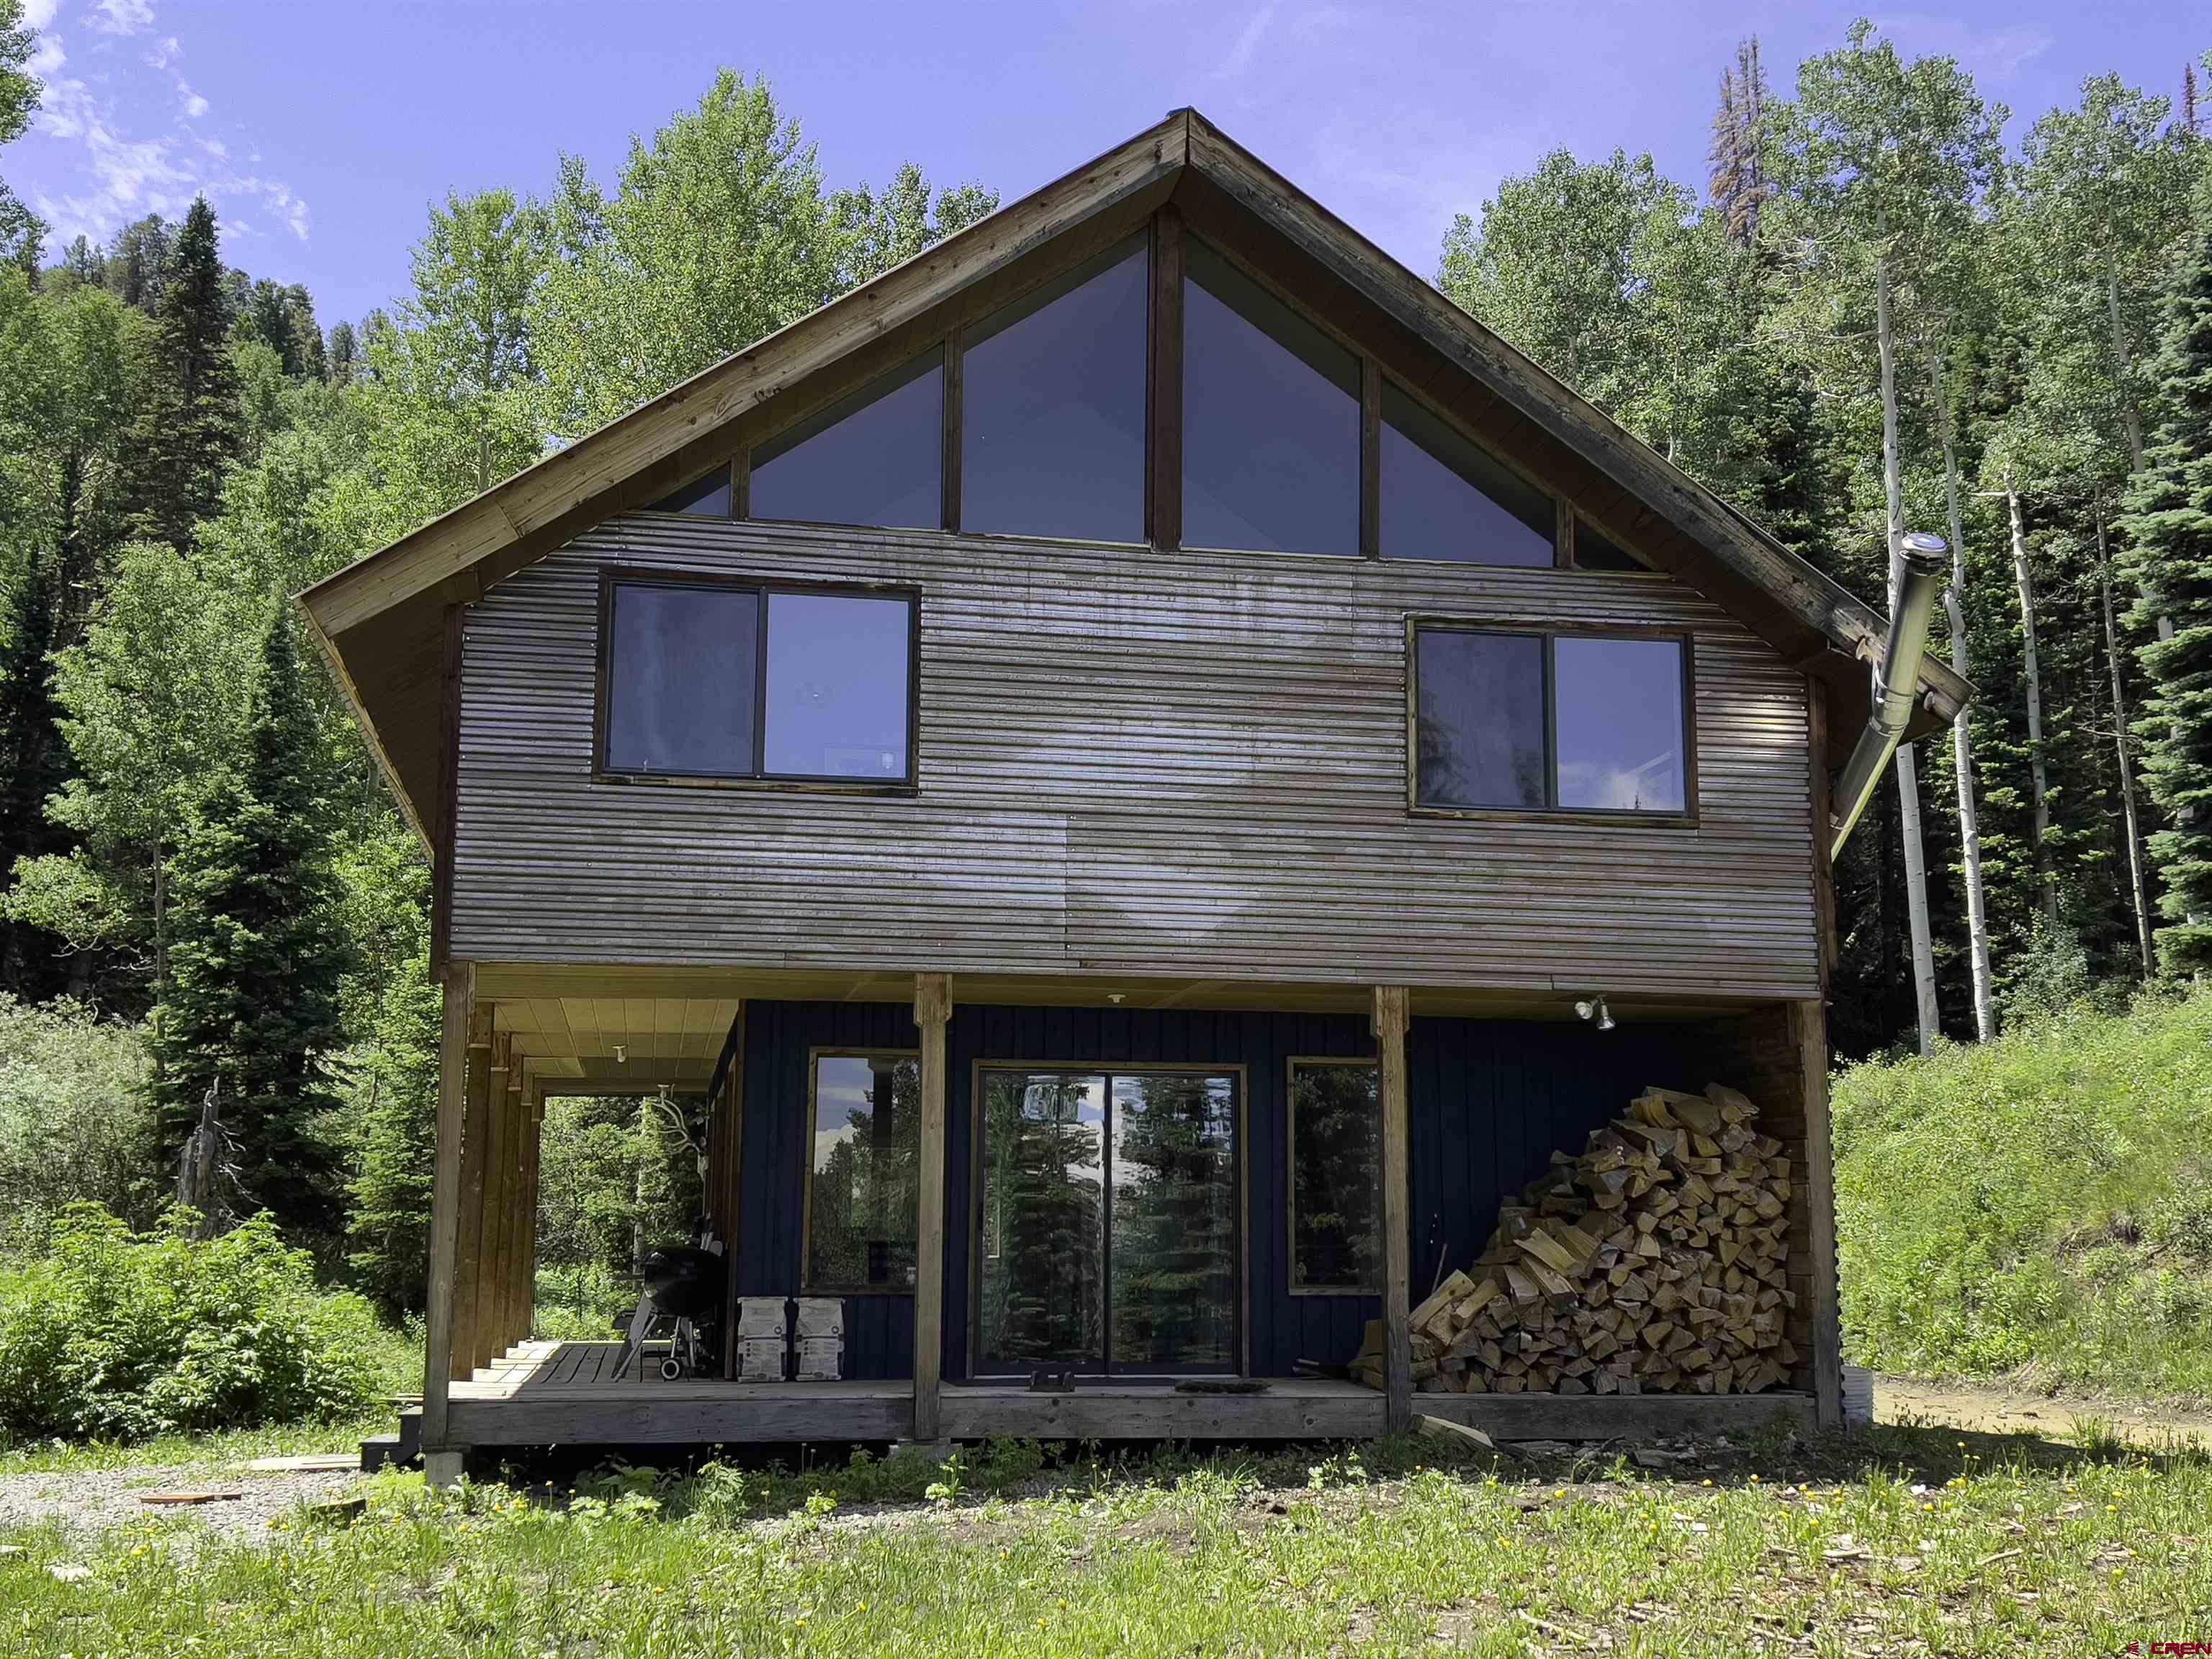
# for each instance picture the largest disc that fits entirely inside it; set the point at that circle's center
(468, 1248)
(932, 1008)
(1389, 1025)
(498, 1181)
(1808, 1027)
(445, 1202)
(533, 1146)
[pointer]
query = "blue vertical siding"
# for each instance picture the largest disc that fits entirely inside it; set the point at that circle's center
(1488, 1102)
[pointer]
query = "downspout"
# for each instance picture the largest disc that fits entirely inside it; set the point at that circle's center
(1925, 559)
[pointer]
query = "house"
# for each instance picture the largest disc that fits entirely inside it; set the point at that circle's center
(1146, 697)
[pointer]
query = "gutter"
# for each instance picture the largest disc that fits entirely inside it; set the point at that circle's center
(1925, 559)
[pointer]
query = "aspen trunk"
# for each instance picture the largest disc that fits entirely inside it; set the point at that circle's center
(2039, 778)
(1962, 740)
(1908, 780)
(2138, 894)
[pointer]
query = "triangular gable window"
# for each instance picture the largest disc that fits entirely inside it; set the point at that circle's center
(1594, 551)
(876, 458)
(704, 497)
(1444, 498)
(1052, 404)
(1270, 420)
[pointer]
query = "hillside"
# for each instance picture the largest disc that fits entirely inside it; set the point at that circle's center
(2039, 1207)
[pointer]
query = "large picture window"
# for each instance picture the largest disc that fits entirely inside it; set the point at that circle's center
(727, 681)
(1336, 1162)
(1593, 723)
(862, 1172)
(1270, 420)
(1052, 410)
(1444, 498)
(877, 458)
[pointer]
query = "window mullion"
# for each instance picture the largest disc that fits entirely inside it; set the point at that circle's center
(1551, 721)
(760, 688)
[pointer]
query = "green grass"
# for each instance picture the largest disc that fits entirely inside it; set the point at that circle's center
(1912, 1540)
(2038, 1207)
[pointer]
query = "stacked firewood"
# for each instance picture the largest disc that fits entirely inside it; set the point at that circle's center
(1654, 1262)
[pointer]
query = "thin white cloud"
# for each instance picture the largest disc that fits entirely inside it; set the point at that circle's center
(122, 172)
(36, 13)
(121, 17)
(1997, 54)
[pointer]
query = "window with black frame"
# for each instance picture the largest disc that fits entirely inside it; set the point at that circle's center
(862, 1173)
(1585, 723)
(1336, 1161)
(719, 680)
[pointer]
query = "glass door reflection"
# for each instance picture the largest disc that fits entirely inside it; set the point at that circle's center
(1146, 1282)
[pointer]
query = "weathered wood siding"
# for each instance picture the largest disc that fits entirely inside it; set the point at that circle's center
(1132, 764)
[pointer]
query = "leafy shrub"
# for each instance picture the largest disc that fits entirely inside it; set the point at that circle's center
(73, 1123)
(116, 1335)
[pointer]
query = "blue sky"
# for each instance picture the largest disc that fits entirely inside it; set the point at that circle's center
(323, 129)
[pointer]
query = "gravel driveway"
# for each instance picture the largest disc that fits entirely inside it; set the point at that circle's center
(98, 1500)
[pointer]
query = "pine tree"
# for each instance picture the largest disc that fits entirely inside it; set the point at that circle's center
(1738, 180)
(2169, 527)
(251, 1004)
(389, 1221)
(32, 755)
(188, 426)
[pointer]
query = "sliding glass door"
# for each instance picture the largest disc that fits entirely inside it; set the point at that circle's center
(1145, 1281)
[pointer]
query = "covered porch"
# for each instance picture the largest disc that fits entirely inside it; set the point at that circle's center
(1473, 1092)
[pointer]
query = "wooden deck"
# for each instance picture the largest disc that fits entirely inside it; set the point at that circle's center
(542, 1394)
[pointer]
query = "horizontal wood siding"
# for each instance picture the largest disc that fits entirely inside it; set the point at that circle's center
(1130, 763)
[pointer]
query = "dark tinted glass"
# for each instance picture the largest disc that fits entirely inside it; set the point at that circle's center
(876, 459)
(1270, 421)
(1619, 706)
(707, 497)
(1336, 1155)
(837, 686)
(1479, 730)
(1052, 407)
(1594, 551)
(1443, 498)
(1175, 1222)
(862, 1167)
(680, 672)
(1043, 1242)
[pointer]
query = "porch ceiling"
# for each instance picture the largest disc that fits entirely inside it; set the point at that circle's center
(615, 1039)
(567, 1018)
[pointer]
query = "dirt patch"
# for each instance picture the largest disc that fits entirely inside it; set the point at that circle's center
(1995, 1410)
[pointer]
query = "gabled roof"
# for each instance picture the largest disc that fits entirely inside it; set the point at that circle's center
(383, 620)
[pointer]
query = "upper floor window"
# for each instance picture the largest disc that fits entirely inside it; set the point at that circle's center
(1052, 410)
(707, 497)
(1445, 498)
(876, 458)
(1270, 420)
(1596, 723)
(719, 680)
